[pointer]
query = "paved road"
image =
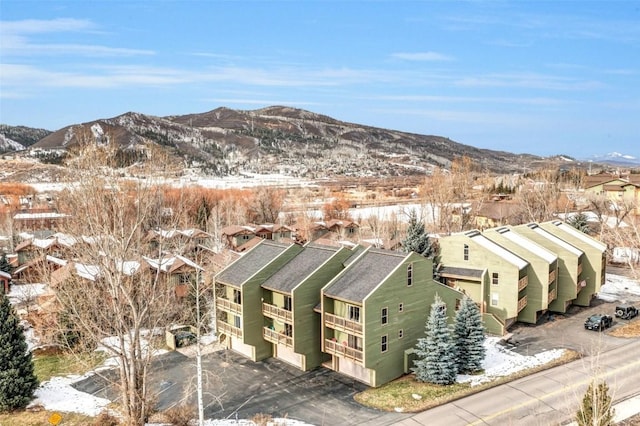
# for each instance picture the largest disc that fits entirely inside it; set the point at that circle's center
(546, 398)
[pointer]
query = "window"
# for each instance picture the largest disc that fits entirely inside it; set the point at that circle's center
(237, 296)
(410, 274)
(354, 342)
(465, 253)
(288, 330)
(400, 334)
(287, 303)
(236, 321)
(354, 313)
(383, 343)
(458, 302)
(494, 278)
(494, 299)
(400, 307)
(384, 316)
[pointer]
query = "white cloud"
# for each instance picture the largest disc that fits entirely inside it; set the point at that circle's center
(421, 56)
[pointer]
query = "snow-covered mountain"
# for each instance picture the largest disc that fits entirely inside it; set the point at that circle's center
(616, 158)
(7, 144)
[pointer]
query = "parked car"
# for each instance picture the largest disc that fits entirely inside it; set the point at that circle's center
(626, 311)
(598, 322)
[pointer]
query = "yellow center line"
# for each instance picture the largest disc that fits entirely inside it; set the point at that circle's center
(583, 382)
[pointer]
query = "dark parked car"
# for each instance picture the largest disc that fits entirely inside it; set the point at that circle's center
(598, 322)
(626, 311)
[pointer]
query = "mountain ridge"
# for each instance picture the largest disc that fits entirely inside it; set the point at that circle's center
(287, 140)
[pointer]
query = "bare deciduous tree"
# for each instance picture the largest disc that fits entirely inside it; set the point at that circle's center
(110, 295)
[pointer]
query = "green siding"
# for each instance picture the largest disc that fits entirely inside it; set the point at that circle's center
(307, 327)
(252, 319)
(537, 290)
(451, 254)
(567, 277)
(593, 263)
(416, 301)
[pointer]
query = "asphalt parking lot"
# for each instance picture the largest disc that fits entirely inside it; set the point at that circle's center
(237, 388)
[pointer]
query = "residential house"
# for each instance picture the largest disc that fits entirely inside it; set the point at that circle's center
(236, 236)
(178, 271)
(571, 287)
(5, 282)
(595, 261)
(185, 241)
(336, 229)
(497, 213)
(494, 277)
(275, 232)
(616, 189)
(542, 270)
(239, 297)
(288, 299)
(374, 311)
(40, 221)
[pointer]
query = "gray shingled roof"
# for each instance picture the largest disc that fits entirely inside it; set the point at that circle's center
(298, 268)
(251, 262)
(475, 274)
(363, 275)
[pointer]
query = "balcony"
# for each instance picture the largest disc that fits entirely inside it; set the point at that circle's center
(581, 284)
(522, 283)
(342, 324)
(335, 348)
(228, 329)
(579, 269)
(522, 302)
(553, 294)
(552, 276)
(272, 311)
(228, 306)
(278, 338)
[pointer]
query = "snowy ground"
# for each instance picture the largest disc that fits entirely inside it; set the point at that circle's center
(57, 394)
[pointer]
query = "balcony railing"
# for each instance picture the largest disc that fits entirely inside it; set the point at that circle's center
(228, 329)
(273, 311)
(553, 294)
(228, 305)
(522, 282)
(335, 348)
(342, 324)
(552, 276)
(275, 337)
(522, 302)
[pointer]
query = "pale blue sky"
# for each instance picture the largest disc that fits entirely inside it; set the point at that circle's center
(544, 77)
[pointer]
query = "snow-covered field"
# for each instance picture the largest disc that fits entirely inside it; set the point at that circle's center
(58, 394)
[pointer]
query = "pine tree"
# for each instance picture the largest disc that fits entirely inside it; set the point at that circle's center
(579, 221)
(468, 337)
(436, 351)
(417, 239)
(17, 379)
(5, 266)
(596, 409)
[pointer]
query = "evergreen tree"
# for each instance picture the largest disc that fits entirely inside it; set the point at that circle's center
(417, 239)
(596, 409)
(5, 266)
(468, 337)
(580, 222)
(17, 379)
(436, 361)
